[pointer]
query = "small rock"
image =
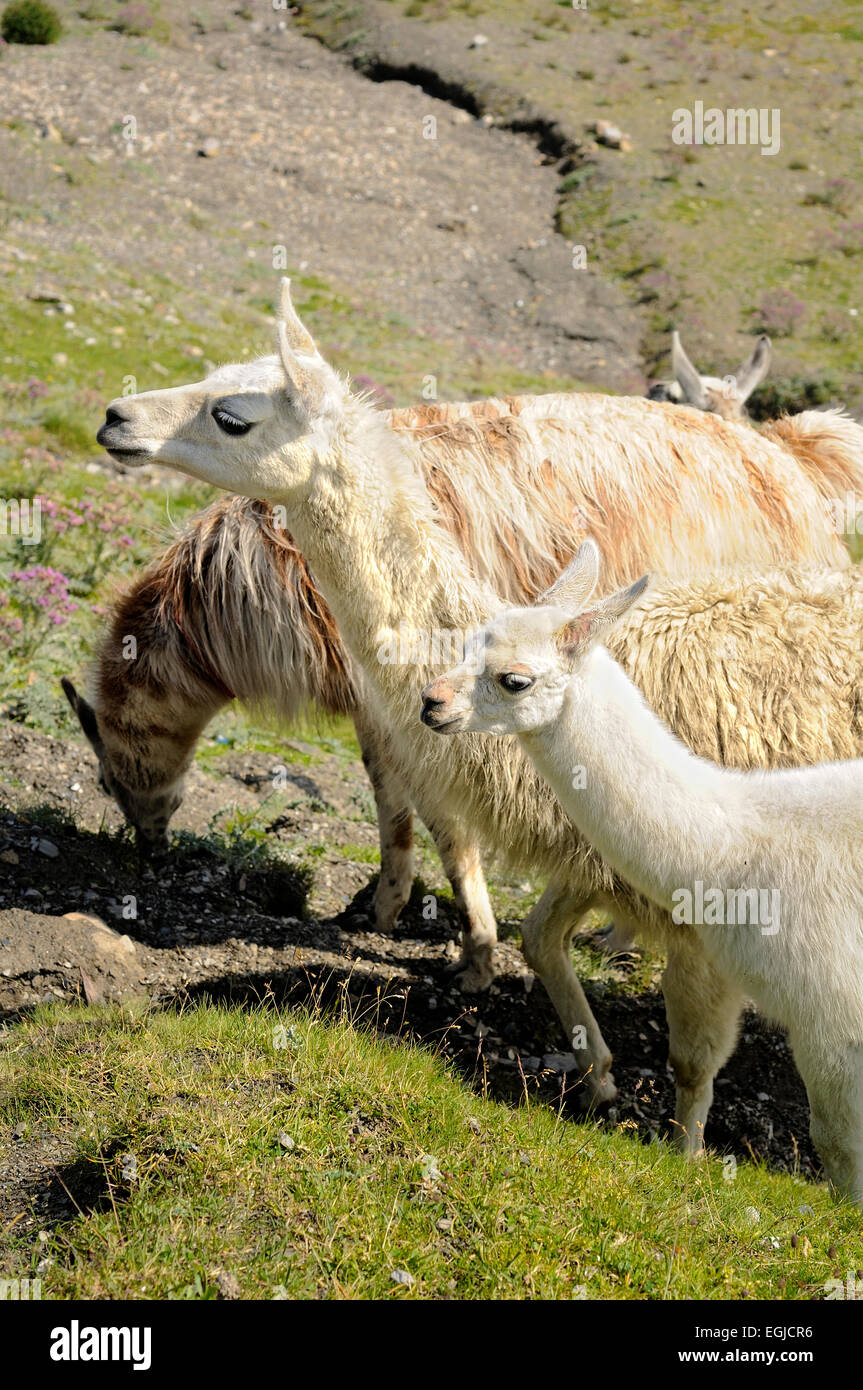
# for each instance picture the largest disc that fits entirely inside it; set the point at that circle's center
(474, 1125)
(227, 1284)
(9, 857)
(752, 1216)
(286, 1141)
(562, 1062)
(611, 135)
(92, 992)
(47, 848)
(478, 41)
(401, 1276)
(530, 1063)
(445, 1223)
(210, 148)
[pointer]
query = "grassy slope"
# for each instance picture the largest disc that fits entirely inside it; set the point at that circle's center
(395, 1166)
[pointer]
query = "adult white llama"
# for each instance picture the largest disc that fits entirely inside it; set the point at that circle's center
(767, 865)
(287, 430)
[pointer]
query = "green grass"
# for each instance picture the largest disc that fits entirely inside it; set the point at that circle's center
(359, 854)
(395, 1165)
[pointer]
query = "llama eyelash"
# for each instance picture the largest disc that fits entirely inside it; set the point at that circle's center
(231, 424)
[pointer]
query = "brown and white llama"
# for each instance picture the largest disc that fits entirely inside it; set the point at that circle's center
(726, 396)
(354, 499)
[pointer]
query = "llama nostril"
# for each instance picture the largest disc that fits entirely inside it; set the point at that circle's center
(115, 419)
(432, 701)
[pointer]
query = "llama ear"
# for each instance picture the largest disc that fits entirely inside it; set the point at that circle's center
(753, 371)
(688, 379)
(591, 626)
(86, 715)
(293, 335)
(305, 370)
(574, 587)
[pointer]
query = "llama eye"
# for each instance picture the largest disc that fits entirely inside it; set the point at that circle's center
(230, 423)
(515, 684)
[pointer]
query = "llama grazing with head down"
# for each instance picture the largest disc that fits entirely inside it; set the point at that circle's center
(725, 397)
(227, 612)
(354, 498)
(767, 865)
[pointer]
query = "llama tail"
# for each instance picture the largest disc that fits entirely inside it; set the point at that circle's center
(828, 445)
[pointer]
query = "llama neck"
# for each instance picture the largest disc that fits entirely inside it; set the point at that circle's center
(659, 816)
(373, 540)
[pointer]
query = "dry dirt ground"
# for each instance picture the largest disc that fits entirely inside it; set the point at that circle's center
(453, 236)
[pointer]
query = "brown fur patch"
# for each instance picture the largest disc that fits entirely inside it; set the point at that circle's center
(403, 833)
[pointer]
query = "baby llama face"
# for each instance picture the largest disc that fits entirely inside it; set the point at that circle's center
(513, 678)
(517, 669)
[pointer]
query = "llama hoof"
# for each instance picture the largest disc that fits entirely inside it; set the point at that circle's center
(385, 925)
(385, 916)
(600, 1097)
(471, 976)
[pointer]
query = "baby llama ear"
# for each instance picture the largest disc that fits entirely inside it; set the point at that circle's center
(578, 581)
(591, 626)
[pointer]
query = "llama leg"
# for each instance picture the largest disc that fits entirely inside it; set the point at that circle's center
(834, 1085)
(395, 826)
(463, 867)
(703, 1011)
(547, 932)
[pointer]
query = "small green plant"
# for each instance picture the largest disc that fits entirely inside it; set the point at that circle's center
(30, 21)
(791, 394)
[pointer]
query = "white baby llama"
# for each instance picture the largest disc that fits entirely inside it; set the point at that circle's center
(768, 866)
